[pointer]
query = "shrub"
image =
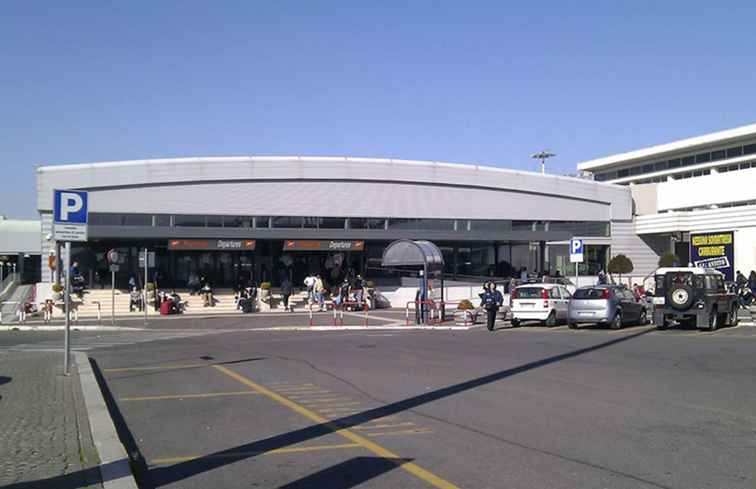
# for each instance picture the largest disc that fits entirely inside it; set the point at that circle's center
(370, 284)
(150, 286)
(57, 288)
(265, 286)
(620, 264)
(669, 259)
(465, 305)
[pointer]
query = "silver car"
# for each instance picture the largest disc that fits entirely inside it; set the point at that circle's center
(612, 305)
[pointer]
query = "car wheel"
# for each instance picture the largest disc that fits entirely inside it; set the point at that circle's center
(551, 320)
(733, 320)
(515, 323)
(643, 320)
(713, 320)
(616, 321)
(573, 325)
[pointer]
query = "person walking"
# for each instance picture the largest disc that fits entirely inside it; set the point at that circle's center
(309, 282)
(752, 281)
(491, 300)
(320, 291)
(740, 279)
(286, 293)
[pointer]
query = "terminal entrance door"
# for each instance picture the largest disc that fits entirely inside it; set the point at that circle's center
(332, 259)
(220, 268)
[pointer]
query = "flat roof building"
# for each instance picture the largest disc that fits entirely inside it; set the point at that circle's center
(264, 216)
(700, 186)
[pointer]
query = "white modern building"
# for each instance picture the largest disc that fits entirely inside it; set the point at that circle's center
(261, 216)
(697, 194)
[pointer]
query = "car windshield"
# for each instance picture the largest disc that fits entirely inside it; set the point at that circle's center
(529, 293)
(589, 294)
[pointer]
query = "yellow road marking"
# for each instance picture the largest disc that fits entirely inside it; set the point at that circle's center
(188, 396)
(418, 431)
(336, 409)
(324, 400)
(175, 460)
(158, 367)
(334, 405)
(306, 395)
(383, 426)
(377, 449)
(293, 390)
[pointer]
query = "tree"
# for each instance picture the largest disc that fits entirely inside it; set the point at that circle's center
(620, 264)
(669, 259)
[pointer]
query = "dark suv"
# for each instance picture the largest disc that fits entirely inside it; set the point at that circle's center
(693, 296)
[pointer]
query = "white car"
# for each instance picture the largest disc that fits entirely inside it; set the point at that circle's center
(546, 303)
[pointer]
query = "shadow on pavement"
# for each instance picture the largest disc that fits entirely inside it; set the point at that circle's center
(4, 379)
(350, 473)
(164, 475)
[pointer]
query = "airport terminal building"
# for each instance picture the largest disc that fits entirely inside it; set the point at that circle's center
(262, 217)
(697, 194)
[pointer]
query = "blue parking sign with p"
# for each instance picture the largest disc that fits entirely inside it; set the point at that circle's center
(576, 246)
(70, 207)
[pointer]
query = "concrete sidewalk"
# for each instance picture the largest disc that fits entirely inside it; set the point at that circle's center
(44, 427)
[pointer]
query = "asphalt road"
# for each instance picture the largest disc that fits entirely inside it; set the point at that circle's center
(527, 408)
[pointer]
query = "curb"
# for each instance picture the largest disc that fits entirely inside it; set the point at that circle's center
(114, 462)
(364, 328)
(73, 328)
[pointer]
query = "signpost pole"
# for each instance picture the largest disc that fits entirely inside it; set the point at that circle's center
(67, 299)
(576, 275)
(145, 287)
(112, 296)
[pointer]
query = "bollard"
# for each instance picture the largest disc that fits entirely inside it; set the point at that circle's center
(310, 314)
(366, 313)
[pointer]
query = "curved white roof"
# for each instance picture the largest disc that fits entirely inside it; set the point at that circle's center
(413, 190)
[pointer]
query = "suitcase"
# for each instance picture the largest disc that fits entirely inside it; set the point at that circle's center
(165, 308)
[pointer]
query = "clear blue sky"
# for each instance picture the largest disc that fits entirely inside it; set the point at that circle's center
(477, 82)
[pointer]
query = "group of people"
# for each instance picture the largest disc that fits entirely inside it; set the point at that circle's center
(245, 296)
(349, 292)
(745, 287)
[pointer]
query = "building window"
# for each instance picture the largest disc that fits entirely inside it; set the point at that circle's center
(718, 155)
(745, 166)
(332, 223)
(237, 222)
(734, 152)
(480, 225)
(162, 220)
(623, 173)
(749, 149)
(703, 157)
(214, 221)
(189, 221)
(675, 163)
(648, 168)
(661, 165)
(262, 222)
(367, 223)
(286, 222)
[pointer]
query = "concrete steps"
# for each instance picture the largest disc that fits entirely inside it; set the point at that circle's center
(101, 300)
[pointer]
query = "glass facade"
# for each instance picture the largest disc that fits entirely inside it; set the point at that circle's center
(461, 226)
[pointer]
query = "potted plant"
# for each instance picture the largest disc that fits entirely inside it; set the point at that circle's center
(57, 291)
(465, 305)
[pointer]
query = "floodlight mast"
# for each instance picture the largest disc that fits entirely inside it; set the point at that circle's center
(543, 156)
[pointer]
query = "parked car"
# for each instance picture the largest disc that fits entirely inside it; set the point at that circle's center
(612, 305)
(695, 296)
(546, 303)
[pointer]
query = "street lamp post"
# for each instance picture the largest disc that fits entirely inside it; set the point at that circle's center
(543, 156)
